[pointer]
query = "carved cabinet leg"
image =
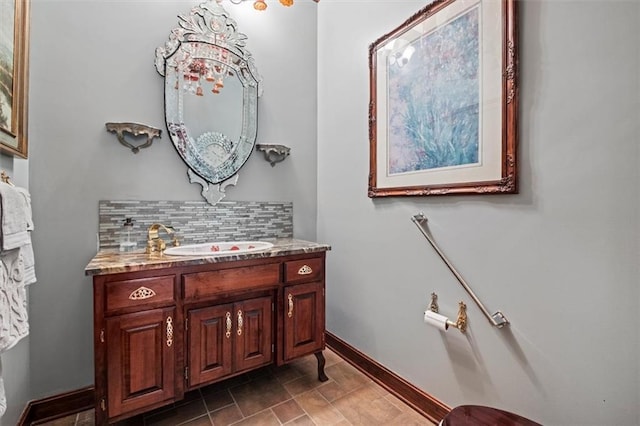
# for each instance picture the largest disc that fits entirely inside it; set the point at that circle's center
(321, 376)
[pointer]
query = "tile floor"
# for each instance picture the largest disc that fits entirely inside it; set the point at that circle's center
(287, 395)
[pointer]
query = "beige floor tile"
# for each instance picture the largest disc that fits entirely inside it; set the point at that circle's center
(412, 417)
(332, 391)
(178, 414)
(366, 407)
(218, 399)
(301, 421)
(346, 376)
(200, 421)
(259, 394)
(409, 419)
(86, 418)
(287, 411)
(331, 358)
(131, 421)
(307, 366)
(286, 373)
(263, 418)
(379, 390)
(320, 411)
(303, 384)
(226, 416)
(65, 421)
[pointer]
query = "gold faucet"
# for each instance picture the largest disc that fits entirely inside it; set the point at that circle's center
(157, 244)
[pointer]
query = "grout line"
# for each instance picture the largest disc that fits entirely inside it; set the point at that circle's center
(299, 417)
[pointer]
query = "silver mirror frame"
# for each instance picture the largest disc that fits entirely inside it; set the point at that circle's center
(209, 28)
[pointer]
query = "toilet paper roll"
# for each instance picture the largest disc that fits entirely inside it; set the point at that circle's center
(436, 320)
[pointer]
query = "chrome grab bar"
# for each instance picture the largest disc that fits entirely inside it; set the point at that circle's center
(497, 319)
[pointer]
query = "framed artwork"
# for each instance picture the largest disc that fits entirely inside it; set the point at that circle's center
(444, 101)
(14, 74)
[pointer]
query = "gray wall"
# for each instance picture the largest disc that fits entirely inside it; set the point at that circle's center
(560, 259)
(93, 62)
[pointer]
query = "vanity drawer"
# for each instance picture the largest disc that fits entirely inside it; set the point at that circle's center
(204, 284)
(154, 291)
(304, 270)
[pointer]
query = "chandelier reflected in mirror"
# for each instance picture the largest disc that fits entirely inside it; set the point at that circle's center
(199, 70)
(262, 4)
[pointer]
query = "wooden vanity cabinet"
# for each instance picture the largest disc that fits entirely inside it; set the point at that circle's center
(160, 332)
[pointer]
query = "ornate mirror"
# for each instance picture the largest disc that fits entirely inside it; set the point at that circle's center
(211, 96)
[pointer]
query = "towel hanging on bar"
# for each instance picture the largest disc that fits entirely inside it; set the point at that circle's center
(17, 269)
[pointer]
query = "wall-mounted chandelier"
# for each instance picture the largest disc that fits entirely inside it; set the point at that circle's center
(261, 4)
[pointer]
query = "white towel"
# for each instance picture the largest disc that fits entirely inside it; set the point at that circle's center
(14, 319)
(3, 397)
(17, 269)
(27, 207)
(15, 209)
(26, 254)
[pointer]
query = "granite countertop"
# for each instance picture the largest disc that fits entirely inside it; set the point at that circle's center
(113, 261)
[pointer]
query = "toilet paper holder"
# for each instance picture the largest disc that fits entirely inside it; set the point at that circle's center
(461, 321)
(498, 319)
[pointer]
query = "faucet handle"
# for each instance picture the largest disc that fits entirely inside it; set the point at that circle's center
(176, 242)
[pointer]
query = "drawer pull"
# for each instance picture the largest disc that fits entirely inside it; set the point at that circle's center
(169, 331)
(305, 270)
(239, 322)
(290, 298)
(228, 319)
(142, 293)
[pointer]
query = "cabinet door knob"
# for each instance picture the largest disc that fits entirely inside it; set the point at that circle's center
(239, 322)
(169, 331)
(290, 298)
(228, 319)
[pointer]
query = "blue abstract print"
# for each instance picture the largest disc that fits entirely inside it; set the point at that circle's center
(433, 99)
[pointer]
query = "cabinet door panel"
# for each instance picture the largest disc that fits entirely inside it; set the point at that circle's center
(303, 319)
(211, 333)
(141, 360)
(254, 334)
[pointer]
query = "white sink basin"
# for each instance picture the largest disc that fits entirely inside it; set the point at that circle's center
(218, 248)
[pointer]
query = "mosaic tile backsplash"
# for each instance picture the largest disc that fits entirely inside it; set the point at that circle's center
(195, 221)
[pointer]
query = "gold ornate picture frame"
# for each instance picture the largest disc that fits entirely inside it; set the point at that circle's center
(444, 101)
(14, 75)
